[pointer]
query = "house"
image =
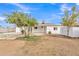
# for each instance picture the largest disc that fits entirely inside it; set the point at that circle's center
(42, 29)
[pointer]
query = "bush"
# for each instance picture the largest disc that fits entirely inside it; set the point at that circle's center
(49, 32)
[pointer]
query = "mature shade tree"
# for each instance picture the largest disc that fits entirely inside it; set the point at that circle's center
(70, 20)
(21, 20)
(18, 18)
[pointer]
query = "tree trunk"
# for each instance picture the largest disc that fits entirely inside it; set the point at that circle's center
(28, 31)
(25, 31)
(31, 30)
(68, 28)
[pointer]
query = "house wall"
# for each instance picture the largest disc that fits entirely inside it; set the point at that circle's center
(51, 28)
(73, 31)
(62, 30)
(18, 30)
(38, 31)
(43, 30)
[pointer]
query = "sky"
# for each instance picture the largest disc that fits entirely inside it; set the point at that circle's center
(47, 12)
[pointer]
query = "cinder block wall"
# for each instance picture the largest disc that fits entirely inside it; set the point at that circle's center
(73, 31)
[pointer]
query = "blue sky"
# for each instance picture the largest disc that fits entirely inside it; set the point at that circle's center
(49, 12)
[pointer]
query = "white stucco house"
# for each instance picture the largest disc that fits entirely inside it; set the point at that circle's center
(42, 29)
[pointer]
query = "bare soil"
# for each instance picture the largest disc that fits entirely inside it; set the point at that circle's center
(44, 46)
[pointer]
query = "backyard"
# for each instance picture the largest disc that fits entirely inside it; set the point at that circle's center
(41, 46)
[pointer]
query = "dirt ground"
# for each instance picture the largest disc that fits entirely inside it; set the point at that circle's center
(44, 46)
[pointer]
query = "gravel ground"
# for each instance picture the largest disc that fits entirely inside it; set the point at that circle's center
(44, 46)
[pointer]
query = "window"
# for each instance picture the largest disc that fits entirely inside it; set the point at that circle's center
(55, 28)
(35, 27)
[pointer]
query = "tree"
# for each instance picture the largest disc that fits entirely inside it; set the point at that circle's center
(21, 20)
(70, 20)
(18, 18)
(65, 19)
(32, 23)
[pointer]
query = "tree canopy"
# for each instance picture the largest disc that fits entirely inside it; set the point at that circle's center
(18, 18)
(70, 19)
(21, 20)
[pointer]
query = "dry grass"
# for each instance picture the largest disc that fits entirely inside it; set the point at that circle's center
(46, 45)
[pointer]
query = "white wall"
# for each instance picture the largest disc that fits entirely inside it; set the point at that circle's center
(73, 31)
(63, 30)
(51, 28)
(18, 30)
(48, 28)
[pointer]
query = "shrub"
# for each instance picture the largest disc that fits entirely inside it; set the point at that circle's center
(49, 32)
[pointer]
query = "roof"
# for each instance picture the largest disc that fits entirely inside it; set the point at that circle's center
(47, 24)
